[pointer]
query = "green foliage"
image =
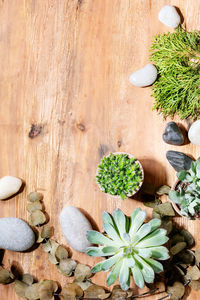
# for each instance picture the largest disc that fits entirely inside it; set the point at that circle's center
(132, 247)
(118, 174)
(177, 57)
(188, 198)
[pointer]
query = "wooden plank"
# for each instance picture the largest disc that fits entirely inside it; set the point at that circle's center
(64, 67)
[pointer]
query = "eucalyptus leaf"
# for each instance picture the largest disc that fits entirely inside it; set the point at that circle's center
(34, 196)
(178, 248)
(163, 190)
(82, 272)
(37, 217)
(67, 266)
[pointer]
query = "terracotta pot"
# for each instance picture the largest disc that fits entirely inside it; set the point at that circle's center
(141, 168)
(176, 207)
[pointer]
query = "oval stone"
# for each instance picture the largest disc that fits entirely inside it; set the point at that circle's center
(15, 234)
(75, 227)
(145, 76)
(169, 16)
(9, 185)
(194, 133)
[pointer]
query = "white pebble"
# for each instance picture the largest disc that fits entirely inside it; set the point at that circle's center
(145, 76)
(194, 133)
(15, 234)
(169, 16)
(75, 227)
(9, 186)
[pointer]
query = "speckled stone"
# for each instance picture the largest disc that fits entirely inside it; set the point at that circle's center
(15, 234)
(75, 227)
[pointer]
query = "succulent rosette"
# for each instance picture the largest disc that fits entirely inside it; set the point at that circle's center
(130, 246)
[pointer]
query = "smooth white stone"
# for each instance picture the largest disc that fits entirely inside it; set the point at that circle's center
(75, 227)
(194, 133)
(145, 76)
(169, 16)
(15, 234)
(9, 186)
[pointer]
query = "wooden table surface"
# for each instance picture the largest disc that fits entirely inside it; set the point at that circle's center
(65, 66)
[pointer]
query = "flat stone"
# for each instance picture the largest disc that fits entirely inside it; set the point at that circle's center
(172, 134)
(145, 76)
(194, 133)
(75, 227)
(15, 234)
(169, 16)
(178, 160)
(9, 185)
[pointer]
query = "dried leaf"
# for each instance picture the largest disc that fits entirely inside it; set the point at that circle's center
(178, 248)
(155, 215)
(195, 285)
(84, 285)
(104, 296)
(153, 203)
(47, 246)
(167, 225)
(34, 206)
(118, 293)
(82, 272)
(47, 232)
(185, 257)
(163, 190)
(52, 259)
(32, 291)
(20, 288)
(71, 291)
(34, 196)
(67, 266)
(39, 238)
(188, 237)
(27, 278)
(61, 253)
(165, 209)
(5, 276)
(193, 273)
(197, 256)
(177, 290)
(177, 238)
(47, 289)
(94, 291)
(148, 188)
(37, 217)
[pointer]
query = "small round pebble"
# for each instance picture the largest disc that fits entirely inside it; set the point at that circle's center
(15, 234)
(169, 16)
(9, 186)
(145, 76)
(194, 133)
(75, 227)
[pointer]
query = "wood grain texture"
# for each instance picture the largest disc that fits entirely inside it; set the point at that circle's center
(64, 67)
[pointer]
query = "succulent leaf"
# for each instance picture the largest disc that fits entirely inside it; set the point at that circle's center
(187, 194)
(133, 249)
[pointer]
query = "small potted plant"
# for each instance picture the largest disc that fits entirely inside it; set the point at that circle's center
(185, 194)
(120, 175)
(129, 246)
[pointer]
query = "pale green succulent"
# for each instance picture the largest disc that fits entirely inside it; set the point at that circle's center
(187, 196)
(132, 247)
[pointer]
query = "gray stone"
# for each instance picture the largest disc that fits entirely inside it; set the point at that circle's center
(178, 160)
(169, 16)
(145, 76)
(172, 134)
(194, 133)
(15, 234)
(75, 227)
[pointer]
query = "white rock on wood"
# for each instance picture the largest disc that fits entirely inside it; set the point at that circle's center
(75, 227)
(169, 16)
(145, 76)
(15, 234)
(194, 133)
(9, 186)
